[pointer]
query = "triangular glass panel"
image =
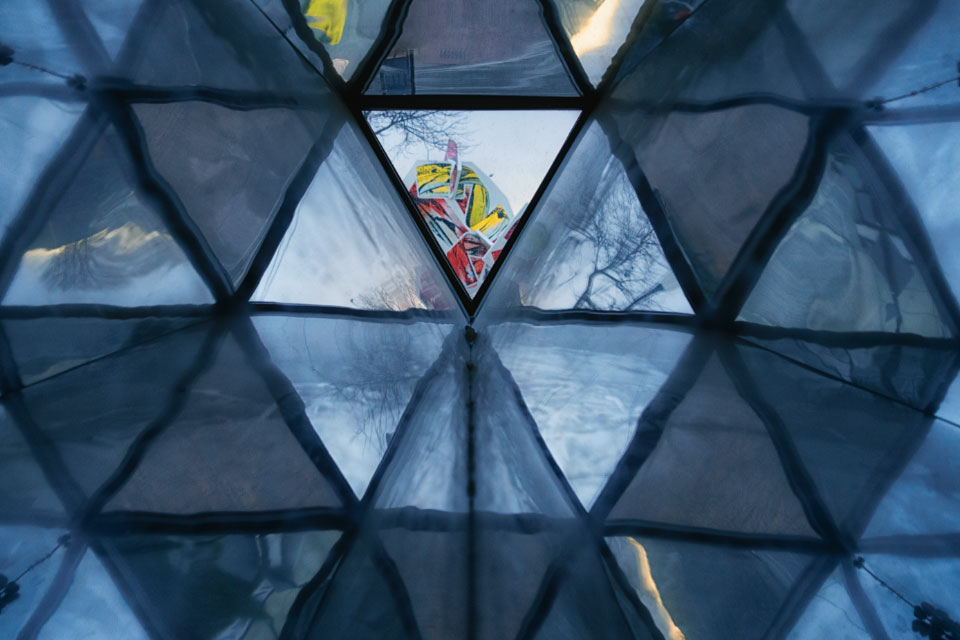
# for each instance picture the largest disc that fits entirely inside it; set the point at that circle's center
(847, 264)
(230, 448)
(228, 586)
(586, 387)
(45, 347)
(830, 614)
(104, 242)
(703, 471)
(471, 174)
(495, 47)
(352, 234)
(355, 377)
(232, 197)
(590, 245)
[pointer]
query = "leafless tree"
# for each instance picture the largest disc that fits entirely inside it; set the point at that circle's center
(627, 260)
(432, 128)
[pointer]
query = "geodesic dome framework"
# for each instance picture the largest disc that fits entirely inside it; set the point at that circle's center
(706, 391)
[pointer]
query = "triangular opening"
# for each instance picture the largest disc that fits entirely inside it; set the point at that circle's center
(355, 239)
(471, 175)
(105, 243)
(590, 244)
(495, 47)
(355, 378)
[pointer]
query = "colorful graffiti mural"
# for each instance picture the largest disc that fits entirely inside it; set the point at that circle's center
(466, 213)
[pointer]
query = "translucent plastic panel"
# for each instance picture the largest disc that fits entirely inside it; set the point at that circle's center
(347, 29)
(493, 47)
(597, 28)
(92, 414)
(851, 443)
(707, 592)
(921, 499)
(429, 468)
(886, 53)
(471, 174)
(513, 473)
(219, 46)
(228, 586)
(355, 378)
(36, 32)
(25, 495)
(949, 408)
(715, 174)
(32, 130)
(230, 168)
(105, 242)
(590, 245)
(921, 580)
(704, 470)
(913, 375)
(228, 449)
(675, 57)
(112, 20)
(45, 347)
(846, 264)
(925, 157)
(830, 614)
(356, 241)
(585, 387)
(19, 548)
(92, 608)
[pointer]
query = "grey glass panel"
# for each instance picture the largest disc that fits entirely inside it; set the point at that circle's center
(355, 377)
(32, 130)
(227, 449)
(925, 158)
(19, 548)
(590, 244)
(45, 347)
(230, 168)
(228, 586)
(105, 242)
(92, 608)
(846, 264)
(355, 239)
(709, 592)
(705, 468)
(493, 47)
(586, 387)
(92, 414)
